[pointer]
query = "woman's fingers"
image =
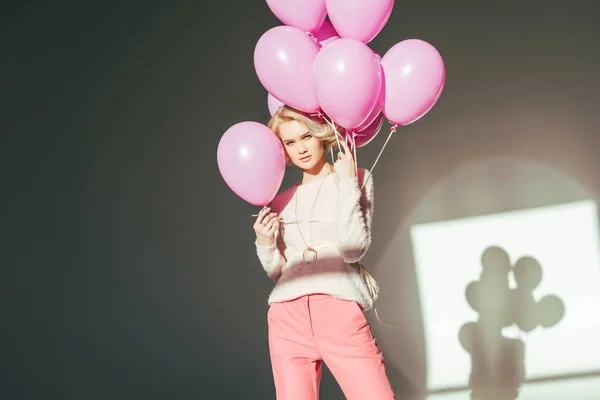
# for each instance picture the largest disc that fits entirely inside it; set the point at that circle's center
(262, 214)
(349, 154)
(261, 219)
(269, 218)
(273, 227)
(345, 146)
(269, 229)
(265, 222)
(346, 153)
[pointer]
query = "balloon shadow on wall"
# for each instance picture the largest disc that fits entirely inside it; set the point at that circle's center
(478, 187)
(498, 362)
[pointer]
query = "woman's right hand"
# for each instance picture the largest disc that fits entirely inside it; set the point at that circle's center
(265, 226)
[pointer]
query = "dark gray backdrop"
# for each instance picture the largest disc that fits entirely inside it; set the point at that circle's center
(128, 265)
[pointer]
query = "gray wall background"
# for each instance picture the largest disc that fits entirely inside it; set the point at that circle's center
(128, 265)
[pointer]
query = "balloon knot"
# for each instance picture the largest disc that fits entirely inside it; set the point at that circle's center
(313, 37)
(318, 114)
(393, 128)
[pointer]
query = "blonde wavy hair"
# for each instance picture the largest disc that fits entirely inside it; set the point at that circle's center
(316, 124)
(324, 130)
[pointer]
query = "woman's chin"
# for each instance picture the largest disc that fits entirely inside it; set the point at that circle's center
(305, 164)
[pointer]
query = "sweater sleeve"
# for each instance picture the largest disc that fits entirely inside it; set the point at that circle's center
(355, 212)
(272, 259)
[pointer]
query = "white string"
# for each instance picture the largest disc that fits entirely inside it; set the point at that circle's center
(373, 289)
(336, 133)
(392, 131)
(355, 159)
(256, 215)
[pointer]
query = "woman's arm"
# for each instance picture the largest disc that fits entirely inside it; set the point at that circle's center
(355, 212)
(268, 242)
(271, 258)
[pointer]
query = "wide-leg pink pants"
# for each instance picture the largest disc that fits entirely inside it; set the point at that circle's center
(315, 328)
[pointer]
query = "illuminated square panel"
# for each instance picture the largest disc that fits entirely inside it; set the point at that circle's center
(563, 238)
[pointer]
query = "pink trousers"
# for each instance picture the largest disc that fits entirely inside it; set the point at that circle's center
(315, 328)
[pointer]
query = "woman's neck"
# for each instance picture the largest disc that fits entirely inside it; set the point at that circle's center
(319, 171)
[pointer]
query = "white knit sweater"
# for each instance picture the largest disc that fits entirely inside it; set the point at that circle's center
(341, 233)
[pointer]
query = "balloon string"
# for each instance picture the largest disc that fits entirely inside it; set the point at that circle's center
(354, 151)
(353, 134)
(318, 114)
(392, 131)
(337, 134)
(256, 215)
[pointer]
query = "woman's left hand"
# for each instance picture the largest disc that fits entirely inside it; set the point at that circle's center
(345, 166)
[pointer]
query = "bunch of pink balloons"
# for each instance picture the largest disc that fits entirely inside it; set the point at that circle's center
(314, 64)
(319, 64)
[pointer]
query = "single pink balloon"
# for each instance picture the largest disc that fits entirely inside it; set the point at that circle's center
(326, 34)
(251, 160)
(378, 105)
(369, 120)
(348, 80)
(359, 19)
(414, 77)
(364, 136)
(273, 104)
(306, 15)
(283, 60)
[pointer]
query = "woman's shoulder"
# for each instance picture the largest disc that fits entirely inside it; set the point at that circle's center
(363, 175)
(282, 199)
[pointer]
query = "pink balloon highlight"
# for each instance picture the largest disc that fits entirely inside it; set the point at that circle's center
(414, 77)
(378, 107)
(359, 19)
(283, 60)
(251, 160)
(348, 81)
(306, 15)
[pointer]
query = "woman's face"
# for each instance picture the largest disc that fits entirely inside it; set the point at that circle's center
(303, 149)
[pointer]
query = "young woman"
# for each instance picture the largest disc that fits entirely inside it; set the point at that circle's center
(310, 242)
